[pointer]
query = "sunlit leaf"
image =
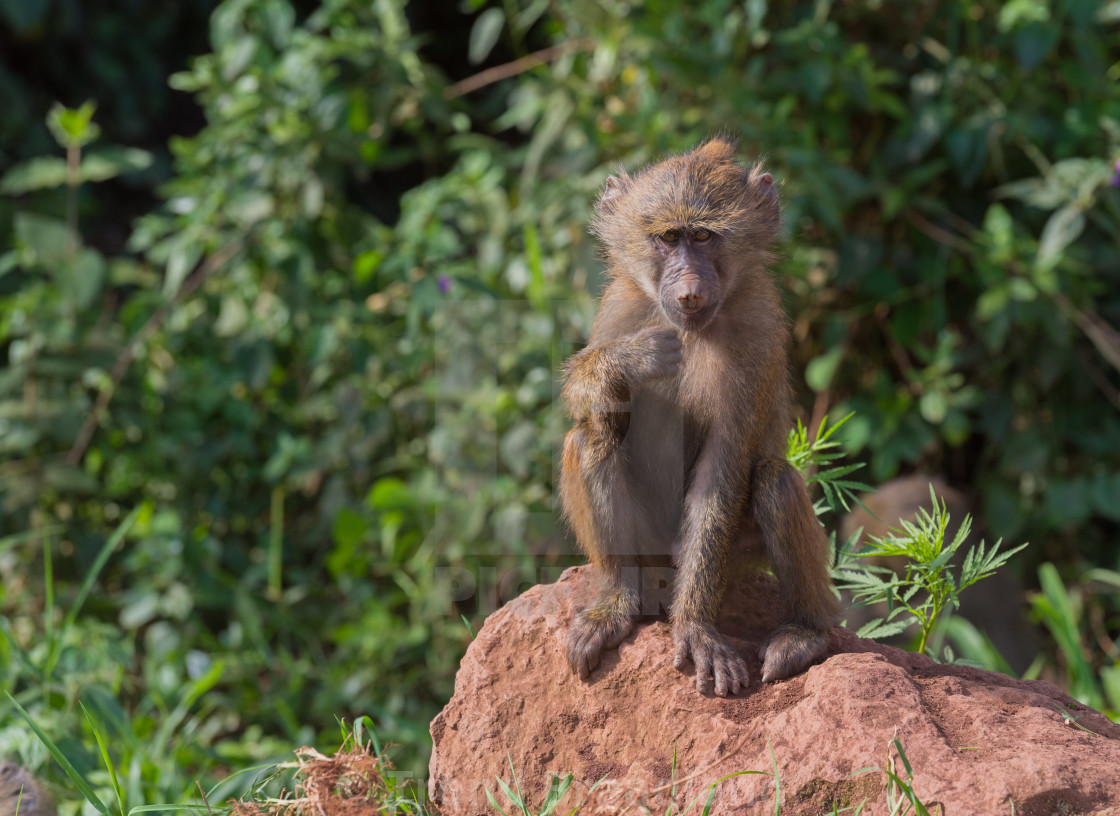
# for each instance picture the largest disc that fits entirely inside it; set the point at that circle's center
(35, 174)
(1061, 230)
(484, 33)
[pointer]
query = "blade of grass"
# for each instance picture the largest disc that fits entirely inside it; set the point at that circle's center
(590, 790)
(54, 650)
(48, 617)
(364, 723)
(105, 757)
(777, 779)
(516, 784)
(98, 565)
(494, 802)
(708, 804)
(556, 790)
(162, 737)
(513, 797)
(276, 544)
(1057, 614)
(79, 781)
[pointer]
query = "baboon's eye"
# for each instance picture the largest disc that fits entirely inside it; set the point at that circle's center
(701, 235)
(670, 237)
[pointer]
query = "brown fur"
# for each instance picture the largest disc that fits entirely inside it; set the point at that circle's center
(19, 792)
(681, 406)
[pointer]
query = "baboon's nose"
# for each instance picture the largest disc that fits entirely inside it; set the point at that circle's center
(691, 301)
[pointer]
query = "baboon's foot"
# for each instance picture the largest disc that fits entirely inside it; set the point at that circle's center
(713, 657)
(594, 630)
(790, 649)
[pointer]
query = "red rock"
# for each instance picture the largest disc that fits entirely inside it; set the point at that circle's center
(977, 740)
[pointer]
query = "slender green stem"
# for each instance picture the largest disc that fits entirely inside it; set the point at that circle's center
(276, 544)
(48, 612)
(73, 181)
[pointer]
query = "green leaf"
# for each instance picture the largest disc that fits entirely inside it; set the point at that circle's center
(183, 258)
(109, 162)
(556, 789)
(42, 240)
(348, 529)
(933, 406)
(878, 629)
(1047, 193)
(1000, 231)
(80, 782)
(1056, 610)
(391, 494)
(820, 371)
(81, 277)
(513, 797)
(1062, 229)
(105, 758)
(73, 127)
(992, 302)
(976, 646)
(1105, 576)
(1016, 13)
(494, 802)
(484, 34)
(1108, 13)
(1110, 680)
(8, 261)
(40, 173)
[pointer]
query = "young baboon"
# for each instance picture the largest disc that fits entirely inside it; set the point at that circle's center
(681, 405)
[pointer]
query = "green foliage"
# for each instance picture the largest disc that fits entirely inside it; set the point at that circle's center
(47, 172)
(901, 797)
(557, 788)
(73, 127)
(815, 461)
(929, 584)
(69, 679)
(1073, 616)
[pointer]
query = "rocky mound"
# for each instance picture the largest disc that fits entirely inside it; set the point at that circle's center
(978, 742)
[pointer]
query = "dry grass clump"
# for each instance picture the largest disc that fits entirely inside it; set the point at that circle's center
(350, 783)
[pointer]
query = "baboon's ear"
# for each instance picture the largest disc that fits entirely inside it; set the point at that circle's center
(765, 181)
(613, 190)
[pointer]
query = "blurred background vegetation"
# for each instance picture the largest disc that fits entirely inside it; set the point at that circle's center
(284, 304)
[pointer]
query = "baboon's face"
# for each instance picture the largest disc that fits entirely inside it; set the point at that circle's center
(688, 286)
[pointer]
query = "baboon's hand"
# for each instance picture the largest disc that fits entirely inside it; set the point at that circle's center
(656, 353)
(712, 655)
